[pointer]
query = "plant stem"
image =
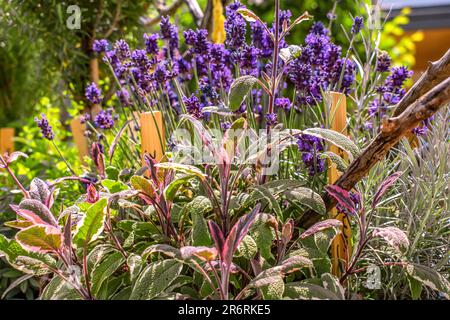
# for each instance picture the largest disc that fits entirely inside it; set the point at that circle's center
(64, 159)
(13, 176)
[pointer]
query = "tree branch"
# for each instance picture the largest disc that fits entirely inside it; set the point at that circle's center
(392, 131)
(163, 11)
(436, 72)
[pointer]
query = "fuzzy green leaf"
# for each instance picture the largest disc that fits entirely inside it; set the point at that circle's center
(308, 198)
(336, 138)
(104, 270)
(155, 278)
(430, 278)
(40, 238)
(239, 90)
(91, 225)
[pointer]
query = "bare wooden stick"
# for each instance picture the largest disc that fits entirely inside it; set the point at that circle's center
(392, 131)
(436, 72)
(6, 140)
(152, 135)
(163, 10)
(341, 246)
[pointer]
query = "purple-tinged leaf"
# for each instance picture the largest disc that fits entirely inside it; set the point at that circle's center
(40, 238)
(161, 248)
(28, 215)
(68, 233)
(237, 233)
(321, 225)
(217, 236)
(295, 263)
(92, 196)
(384, 186)
(39, 209)
(216, 265)
(14, 155)
(18, 224)
(342, 196)
(393, 236)
(204, 253)
(39, 190)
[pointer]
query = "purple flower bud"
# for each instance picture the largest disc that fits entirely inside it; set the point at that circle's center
(151, 43)
(193, 106)
(357, 25)
(271, 119)
(383, 62)
(94, 94)
(46, 128)
(283, 103)
(122, 49)
(100, 46)
(104, 119)
(123, 96)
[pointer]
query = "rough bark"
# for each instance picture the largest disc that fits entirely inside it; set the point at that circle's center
(436, 72)
(392, 131)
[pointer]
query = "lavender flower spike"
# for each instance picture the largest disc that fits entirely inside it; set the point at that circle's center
(93, 93)
(357, 25)
(46, 128)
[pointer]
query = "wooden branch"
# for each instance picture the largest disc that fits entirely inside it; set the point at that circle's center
(392, 131)
(163, 11)
(436, 72)
(195, 10)
(116, 19)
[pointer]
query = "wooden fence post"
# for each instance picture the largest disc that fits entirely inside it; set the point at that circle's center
(341, 248)
(79, 138)
(6, 140)
(152, 135)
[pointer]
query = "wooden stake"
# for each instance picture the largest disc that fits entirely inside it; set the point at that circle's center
(341, 246)
(6, 140)
(79, 138)
(152, 135)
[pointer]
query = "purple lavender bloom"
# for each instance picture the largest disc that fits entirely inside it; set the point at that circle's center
(249, 60)
(151, 43)
(85, 118)
(193, 106)
(309, 146)
(122, 49)
(398, 76)
(349, 76)
(182, 67)
(161, 74)
(285, 18)
(124, 97)
(331, 16)
(94, 94)
(169, 32)
(357, 25)
(219, 55)
(225, 125)
(383, 62)
(420, 131)
(210, 92)
(46, 128)
(104, 119)
(261, 40)
(198, 40)
(100, 46)
(283, 103)
(140, 60)
(271, 119)
(319, 28)
(235, 26)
